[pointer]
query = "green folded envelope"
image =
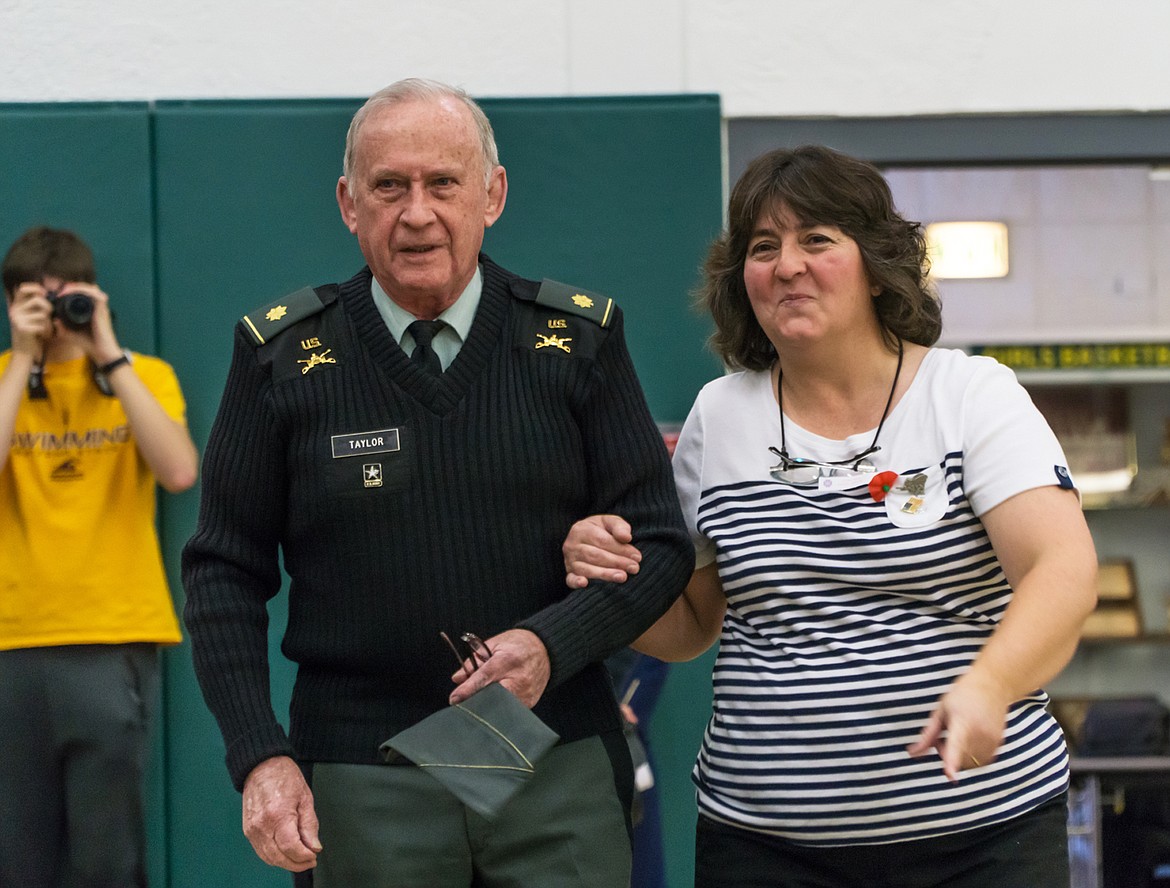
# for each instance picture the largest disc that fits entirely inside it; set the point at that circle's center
(482, 750)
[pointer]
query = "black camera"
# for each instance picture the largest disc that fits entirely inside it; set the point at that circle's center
(74, 310)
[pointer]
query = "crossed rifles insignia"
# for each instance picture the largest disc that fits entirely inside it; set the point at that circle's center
(554, 341)
(315, 360)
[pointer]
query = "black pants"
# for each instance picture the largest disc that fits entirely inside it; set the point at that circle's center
(72, 764)
(1030, 851)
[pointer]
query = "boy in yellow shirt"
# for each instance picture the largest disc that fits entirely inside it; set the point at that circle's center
(86, 431)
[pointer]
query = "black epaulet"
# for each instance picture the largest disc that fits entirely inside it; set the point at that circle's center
(574, 300)
(269, 320)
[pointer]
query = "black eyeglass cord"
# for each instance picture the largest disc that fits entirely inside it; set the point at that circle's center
(873, 445)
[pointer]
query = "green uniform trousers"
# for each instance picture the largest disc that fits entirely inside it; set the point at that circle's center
(394, 826)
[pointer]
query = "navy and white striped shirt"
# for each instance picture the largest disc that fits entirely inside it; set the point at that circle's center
(848, 617)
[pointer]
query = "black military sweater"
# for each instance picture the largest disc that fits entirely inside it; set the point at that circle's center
(404, 504)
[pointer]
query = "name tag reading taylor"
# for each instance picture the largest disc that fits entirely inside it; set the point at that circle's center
(365, 443)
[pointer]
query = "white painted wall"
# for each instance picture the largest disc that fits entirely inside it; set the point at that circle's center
(764, 57)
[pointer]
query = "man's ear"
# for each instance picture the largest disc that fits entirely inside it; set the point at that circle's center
(345, 205)
(497, 194)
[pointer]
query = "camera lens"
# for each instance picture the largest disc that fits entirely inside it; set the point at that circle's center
(75, 310)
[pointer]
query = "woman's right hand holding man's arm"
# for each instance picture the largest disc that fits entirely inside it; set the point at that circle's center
(600, 547)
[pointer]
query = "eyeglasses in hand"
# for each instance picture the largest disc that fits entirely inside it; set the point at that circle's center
(479, 649)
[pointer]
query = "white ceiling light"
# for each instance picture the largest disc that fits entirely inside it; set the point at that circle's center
(968, 249)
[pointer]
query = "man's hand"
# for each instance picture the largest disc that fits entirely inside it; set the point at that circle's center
(30, 319)
(518, 661)
(598, 548)
(279, 819)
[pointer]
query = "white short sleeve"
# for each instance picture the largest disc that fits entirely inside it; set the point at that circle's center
(688, 478)
(1008, 446)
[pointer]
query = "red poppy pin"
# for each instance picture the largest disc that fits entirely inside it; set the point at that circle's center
(881, 484)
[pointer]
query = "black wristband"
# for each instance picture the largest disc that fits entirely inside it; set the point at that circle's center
(107, 369)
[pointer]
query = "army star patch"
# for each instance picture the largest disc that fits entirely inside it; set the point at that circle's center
(372, 474)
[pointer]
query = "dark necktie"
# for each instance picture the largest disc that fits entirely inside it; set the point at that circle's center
(423, 355)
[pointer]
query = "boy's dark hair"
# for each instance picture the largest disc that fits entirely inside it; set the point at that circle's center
(44, 251)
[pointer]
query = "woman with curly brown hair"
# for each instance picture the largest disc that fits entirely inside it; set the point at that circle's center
(889, 550)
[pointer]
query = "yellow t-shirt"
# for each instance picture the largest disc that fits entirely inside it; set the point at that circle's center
(79, 552)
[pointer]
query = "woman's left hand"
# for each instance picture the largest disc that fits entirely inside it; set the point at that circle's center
(966, 726)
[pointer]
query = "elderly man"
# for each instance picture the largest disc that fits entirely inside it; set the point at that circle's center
(417, 441)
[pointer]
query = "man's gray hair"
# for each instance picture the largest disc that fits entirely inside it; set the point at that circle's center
(416, 89)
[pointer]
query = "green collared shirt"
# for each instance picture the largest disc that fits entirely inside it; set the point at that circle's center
(458, 317)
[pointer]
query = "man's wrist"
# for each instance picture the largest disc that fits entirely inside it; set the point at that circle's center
(109, 367)
(20, 353)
